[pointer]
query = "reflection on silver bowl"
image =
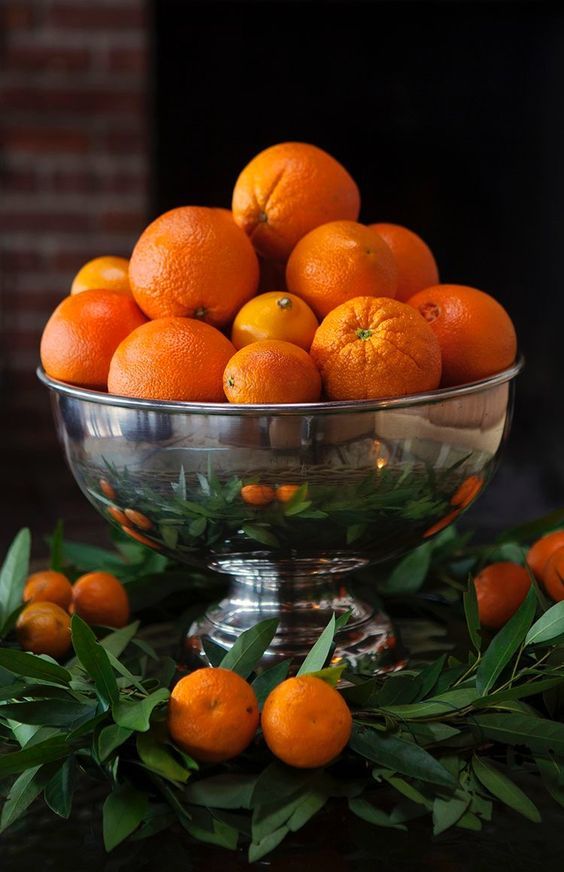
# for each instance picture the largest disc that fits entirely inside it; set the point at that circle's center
(371, 480)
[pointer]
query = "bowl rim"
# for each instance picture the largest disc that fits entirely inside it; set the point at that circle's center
(309, 409)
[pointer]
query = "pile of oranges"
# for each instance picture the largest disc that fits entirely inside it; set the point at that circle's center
(43, 625)
(344, 311)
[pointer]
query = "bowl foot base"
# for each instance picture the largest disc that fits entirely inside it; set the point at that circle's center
(303, 606)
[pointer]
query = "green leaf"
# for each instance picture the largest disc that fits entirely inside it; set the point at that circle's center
(410, 573)
(280, 781)
(159, 759)
(533, 529)
(447, 812)
(330, 675)
(13, 574)
(401, 756)
(548, 628)
(269, 843)
(440, 705)
(214, 653)
(317, 656)
(505, 643)
(222, 791)
(123, 811)
(59, 791)
(260, 534)
(471, 613)
(310, 804)
(429, 675)
(244, 655)
(94, 659)
(552, 776)
(54, 748)
(469, 821)
(33, 666)
(270, 817)
(408, 790)
(521, 691)
(110, 738)
(269, 679)
(504, 789)
(47, 712)
(56, 547)
(23, 791)
(136, 715)
(397, 690)
(538, 734)
(368, 812)
(221, 834)
(117, 641)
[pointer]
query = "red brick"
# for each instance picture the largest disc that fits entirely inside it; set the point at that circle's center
(45, 140)
(130, 221)
(41, 221)
(127, 60)
(79, 102)
(94, 182)
(38, 58)
(89, 16)
(126, 141)
(20, 181)
(17, 15)
(28, 261)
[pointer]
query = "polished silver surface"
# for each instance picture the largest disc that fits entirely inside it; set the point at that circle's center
(375, 479)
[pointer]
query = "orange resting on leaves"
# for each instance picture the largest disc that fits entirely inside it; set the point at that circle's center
(103, 273)
(139, 537)
(116, 515)
(171, 359)
(475, 333)
(100, 598)
(257, 494)
(467, 492)
(500, 590)
(138, 519)
(271, 371)
(82, 334)
(274, 315)
(372, 347)
(553, 575)
(417, 268)
(286, 191)
(193, 262)
(213, 714)
(339, 261)
(44, 628)
(286, 492)
(305, 722)
(107, 489)
(542, 550)
(48, 586)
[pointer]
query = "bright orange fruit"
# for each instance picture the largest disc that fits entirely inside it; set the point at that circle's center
(48, 586)
(274, 315)
(271, 371)
(417, 268)
(44, 628)
(103, 273)
(542, 550)
(100, 598)
(553, 575)
(500, 590)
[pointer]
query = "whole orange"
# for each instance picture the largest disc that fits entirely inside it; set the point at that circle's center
(271, 371)
(500, 590)
(48, 586)
(103, 273)
(274, 315)
(417, 268)
(542, 550)
(213, 714)
(476, 335)
(100, 598)
(286, 191)
(286, 492)
(44, 628)
(82, 334)
(339, 261)
(193, 262)
(257, 494)
(171, 359)
(372, 347)
(306, 722)
(553, 575)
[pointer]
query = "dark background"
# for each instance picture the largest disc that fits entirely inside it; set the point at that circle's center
(450, 118)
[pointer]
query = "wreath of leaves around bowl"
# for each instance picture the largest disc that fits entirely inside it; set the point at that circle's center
(446, 738)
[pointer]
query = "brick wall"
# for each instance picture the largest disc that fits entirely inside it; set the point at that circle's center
(74, 183)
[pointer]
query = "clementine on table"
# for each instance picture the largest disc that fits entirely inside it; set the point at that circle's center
(274, 315)
(339, 261)
(305, 722)
(44, 628)
(103, 273)
(100, 598)
(48, 586)
(193, 262)
(286, 191)
(542, 550)
(82, 334)
(213, 714)
(171, 359)
(553, 575)
(417, 268)
(500, 590)
(257, 494)
(271, 371)
(372, 347)
(475, 333)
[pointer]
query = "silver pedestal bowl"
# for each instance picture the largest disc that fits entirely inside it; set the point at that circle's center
(374, 479)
